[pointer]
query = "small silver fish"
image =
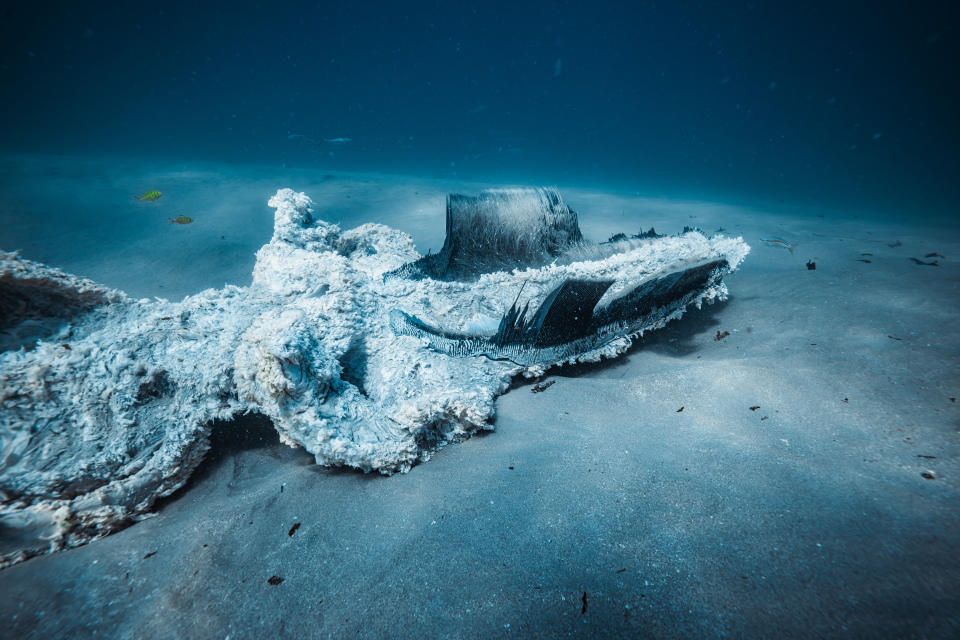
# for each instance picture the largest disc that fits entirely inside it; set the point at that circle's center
(778, 242)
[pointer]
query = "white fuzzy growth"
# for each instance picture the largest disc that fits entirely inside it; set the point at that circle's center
(93, 434)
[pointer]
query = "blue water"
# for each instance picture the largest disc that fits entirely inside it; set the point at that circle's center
(832, 104)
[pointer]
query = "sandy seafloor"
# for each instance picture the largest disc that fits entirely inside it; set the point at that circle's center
(597, 507)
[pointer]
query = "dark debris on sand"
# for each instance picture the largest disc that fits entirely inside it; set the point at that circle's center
(542, 386)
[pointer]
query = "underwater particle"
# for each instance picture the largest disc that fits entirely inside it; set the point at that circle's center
(542, 386)
(935, 255)
(811, 265)
(754, 407)
(583, 599)
(293, 529)
(680, 409)
(274, 581)
(149, 196)
(150, 555)
(932, 263)
(181, 220)
(928, 474)
(720, 336)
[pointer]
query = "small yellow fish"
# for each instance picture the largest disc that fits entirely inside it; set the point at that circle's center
(149, 196)
(181, 220)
